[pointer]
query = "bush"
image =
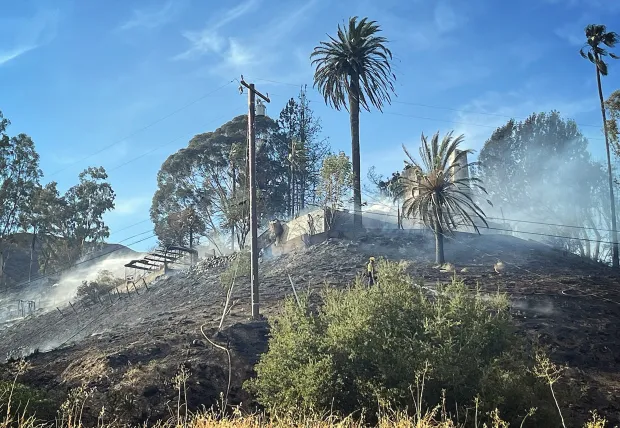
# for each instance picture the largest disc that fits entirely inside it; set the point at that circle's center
(365, 347)
(101, 286)
(240, 267)
(25, 400)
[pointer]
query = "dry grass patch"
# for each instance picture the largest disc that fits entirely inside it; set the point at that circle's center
(90, 368)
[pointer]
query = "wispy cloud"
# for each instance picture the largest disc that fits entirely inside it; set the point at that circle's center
(130, 206)
(236, 54)
(527, 50)
(6, 56)
(208, 40)
(573, 33)
(21, 35)
(433, 28)
(153, 17)
(446, 19)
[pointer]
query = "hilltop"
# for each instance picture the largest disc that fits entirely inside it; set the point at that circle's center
(130, 347)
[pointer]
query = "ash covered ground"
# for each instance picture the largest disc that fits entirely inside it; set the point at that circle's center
(129, 348)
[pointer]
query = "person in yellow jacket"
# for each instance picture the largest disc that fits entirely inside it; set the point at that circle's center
(371, 271)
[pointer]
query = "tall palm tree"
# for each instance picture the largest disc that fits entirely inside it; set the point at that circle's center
(355, 65)
(435, 191)
(596, 36)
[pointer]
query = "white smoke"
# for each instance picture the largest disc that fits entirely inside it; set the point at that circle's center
(47, 297)
(65, 289)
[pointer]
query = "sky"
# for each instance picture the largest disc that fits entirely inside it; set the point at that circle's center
(125, 84)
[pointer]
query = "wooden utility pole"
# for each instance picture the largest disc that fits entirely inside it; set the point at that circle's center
(252, 92)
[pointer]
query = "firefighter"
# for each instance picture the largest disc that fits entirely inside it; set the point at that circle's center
(371, 271)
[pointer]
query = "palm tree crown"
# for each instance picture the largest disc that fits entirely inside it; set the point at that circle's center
(596, 36)
(357, 53)
(437, 193)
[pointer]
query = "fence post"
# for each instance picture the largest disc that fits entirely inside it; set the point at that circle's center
(72, 307)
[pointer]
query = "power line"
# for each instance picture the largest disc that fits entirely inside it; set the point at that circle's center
(64, 269)
(129, 227)
(495, 228)
(443, 108)
(550, 224)
(144, 128)
(162, 146)
(522, 221)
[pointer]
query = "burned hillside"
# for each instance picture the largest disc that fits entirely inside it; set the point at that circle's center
(130, 346)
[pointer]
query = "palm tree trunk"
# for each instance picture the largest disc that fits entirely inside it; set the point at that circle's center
(614, 234)
(354, 113)
(439, 255)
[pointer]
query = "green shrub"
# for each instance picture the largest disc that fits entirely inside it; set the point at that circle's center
(101, 286)
(365, 346)
(239, 268)
(26, 400)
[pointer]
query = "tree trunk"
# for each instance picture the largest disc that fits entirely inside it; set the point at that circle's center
(614, 234)
(302, 190)
(191, 236)
(597, 245)
(234, 199)
(354, 112)
(289, 208)
(34, 240)
(580, 244)
(439, 256)
(294, 192)
(1, 266)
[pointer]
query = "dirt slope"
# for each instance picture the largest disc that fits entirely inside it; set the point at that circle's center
(131, 347)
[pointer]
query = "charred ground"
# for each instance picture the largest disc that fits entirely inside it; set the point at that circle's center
(130, 348)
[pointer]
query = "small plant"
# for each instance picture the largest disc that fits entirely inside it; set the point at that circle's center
(180, 384)
(238, 268)
(550, 373)
(72, 410)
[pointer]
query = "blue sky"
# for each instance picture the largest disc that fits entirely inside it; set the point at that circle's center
(124, 84)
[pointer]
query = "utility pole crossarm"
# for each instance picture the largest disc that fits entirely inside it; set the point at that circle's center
(264, 97)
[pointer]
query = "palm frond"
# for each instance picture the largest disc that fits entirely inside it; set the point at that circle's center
(437, 193)
(357, 55)
(593, 50)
